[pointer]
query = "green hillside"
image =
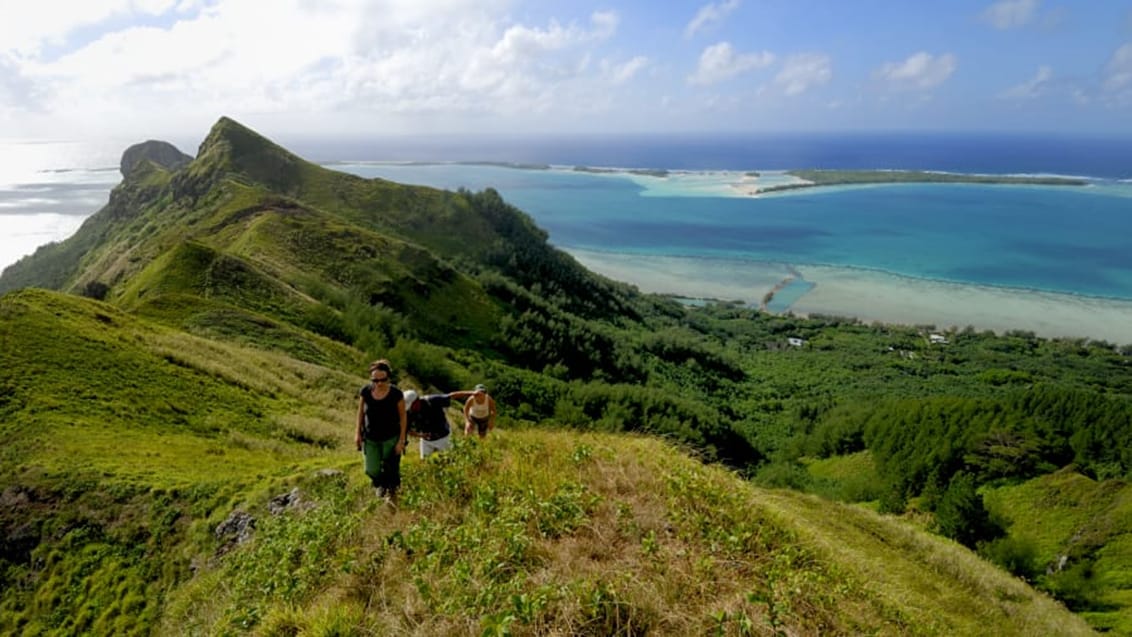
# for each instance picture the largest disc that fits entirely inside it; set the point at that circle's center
(198, 358)
(152, 438)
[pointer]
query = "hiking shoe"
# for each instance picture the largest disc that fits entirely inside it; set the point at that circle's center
(381, 493)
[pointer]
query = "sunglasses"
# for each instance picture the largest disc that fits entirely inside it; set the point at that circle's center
(383, 379)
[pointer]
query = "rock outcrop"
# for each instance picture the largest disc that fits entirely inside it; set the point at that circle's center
(161, 153)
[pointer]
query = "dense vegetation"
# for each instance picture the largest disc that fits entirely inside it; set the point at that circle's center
(827, 177)
(235, 300)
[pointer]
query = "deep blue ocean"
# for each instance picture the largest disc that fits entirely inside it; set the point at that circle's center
(992, 153)
(1060, 239)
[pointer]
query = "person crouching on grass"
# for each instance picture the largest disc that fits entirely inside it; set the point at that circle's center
(428, 421)
(382, 427)
(479, 411)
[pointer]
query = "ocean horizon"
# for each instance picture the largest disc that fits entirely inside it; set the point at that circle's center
(921, 244)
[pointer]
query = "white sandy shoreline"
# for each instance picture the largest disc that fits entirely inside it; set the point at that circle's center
(872, 296)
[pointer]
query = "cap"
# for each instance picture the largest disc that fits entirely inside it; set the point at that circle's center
(410, 398)
(481, 387)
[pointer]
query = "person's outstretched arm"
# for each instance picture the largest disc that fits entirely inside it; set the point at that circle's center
(403, 439)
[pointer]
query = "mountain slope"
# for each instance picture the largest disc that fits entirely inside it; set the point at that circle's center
(129, 491)
(242, 295)
(1073, 534)
(338, 228)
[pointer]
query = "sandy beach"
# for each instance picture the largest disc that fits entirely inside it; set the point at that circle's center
(875, 296)
(712, 183)
(688, 277)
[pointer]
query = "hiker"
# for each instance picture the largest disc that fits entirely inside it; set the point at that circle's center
(428, 421)
(381, 431)
(480, 411)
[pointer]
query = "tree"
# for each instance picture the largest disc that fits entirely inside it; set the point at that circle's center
(961, 515)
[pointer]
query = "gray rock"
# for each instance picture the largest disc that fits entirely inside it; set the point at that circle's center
(234, 531)
(281, 503)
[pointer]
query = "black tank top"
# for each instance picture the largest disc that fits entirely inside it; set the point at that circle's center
(383, 421)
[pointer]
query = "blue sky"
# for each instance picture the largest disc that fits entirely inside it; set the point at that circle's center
(169, 68)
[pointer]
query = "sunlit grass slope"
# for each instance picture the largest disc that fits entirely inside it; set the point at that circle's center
(114, 379)
(1075, 534)
(119, 439)
(541, 532)
(115, 485)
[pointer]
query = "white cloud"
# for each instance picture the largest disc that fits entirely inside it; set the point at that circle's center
(520, 42)
(605, 23)
(621, 73)
(1009, 14)
(1031, 88)
(921, 71)
(802, 72)
(17, 92)
(719, 62)
(26, 30)
(1118, 71)
(709, 14)
(349, 60)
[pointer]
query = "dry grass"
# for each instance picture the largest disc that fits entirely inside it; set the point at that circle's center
(554, 533)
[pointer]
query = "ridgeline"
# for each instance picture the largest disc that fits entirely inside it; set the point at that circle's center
(177, 394)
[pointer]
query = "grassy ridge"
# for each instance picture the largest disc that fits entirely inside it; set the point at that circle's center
(119, 440)
(117, 377)
(565, 533)
(125, 477)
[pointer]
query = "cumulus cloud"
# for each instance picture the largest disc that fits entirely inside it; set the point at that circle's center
(1031, 88)
(1010, 14)
(720, 62)
(621, 73)
(521, 41)
(710, 14)
(802, 72)
(17, 93)
(921, 71)
(36, 25)
(1118, 71)
(350, 57)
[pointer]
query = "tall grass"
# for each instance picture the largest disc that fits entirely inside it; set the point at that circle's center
(553, 533)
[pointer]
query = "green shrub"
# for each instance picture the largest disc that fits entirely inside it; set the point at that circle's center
(1018, 555)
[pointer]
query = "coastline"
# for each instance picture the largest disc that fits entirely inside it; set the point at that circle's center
(756, 183)
(826, 289)
(819, 178)
(871, 296)
(890, 298)
(747, 183)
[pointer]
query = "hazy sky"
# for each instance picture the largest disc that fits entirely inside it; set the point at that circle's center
(172, 67)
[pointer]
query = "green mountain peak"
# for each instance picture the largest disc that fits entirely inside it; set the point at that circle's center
(231, 147)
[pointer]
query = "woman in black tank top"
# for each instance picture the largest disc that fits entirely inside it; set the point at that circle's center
(381, 429)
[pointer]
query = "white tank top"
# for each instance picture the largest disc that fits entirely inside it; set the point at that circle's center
(480, 411)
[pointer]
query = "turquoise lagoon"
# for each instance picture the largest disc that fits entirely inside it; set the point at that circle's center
(991, 256)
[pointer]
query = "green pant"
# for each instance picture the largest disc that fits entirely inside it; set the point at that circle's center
(383, 463)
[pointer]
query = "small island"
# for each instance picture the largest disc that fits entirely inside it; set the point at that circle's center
(506, 164)
(817, 178)
(646, 172)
